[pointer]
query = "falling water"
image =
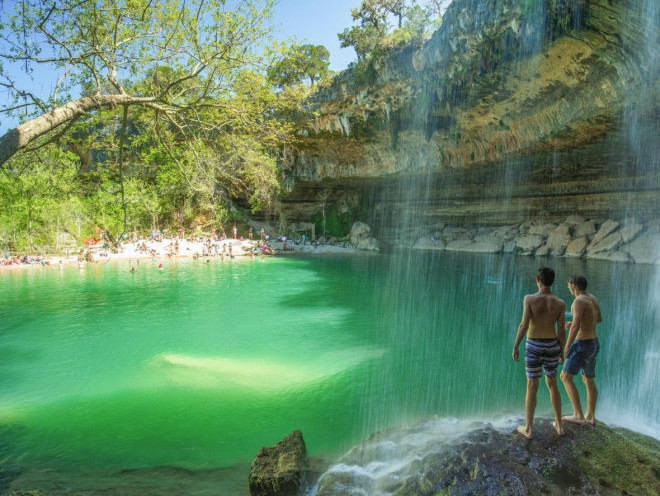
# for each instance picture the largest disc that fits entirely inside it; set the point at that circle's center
(640, 152)
(430, 291)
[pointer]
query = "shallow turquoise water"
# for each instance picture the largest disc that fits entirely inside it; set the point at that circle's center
(199, 365)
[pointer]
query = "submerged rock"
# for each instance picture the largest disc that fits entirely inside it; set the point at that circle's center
(586, 460)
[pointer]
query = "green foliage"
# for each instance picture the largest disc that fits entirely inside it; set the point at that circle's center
(300, 63)
(372, 39)
(38, 197)
(336, 224)
(363, 39)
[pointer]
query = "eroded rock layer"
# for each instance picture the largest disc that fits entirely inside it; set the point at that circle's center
(513, 111)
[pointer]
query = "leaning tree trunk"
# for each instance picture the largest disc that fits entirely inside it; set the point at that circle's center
(19, 138)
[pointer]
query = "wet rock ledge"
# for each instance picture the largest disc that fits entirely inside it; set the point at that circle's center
(598, 460)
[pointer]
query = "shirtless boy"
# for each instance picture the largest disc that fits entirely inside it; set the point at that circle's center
(581, 350)
(544, 346)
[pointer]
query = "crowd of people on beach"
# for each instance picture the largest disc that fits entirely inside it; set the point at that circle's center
(8, 260)
(169, 244)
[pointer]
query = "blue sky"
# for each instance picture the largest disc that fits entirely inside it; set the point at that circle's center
(318, 22)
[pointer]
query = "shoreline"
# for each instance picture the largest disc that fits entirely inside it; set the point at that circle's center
(159, 252)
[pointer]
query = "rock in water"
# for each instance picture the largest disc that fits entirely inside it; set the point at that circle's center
(598, 460)
(279, 470)
(586, 460)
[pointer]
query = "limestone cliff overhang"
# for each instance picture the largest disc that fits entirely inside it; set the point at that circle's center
(500, 79)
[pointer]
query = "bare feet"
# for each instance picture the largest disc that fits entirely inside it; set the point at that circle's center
(558, 428)
(573, 420)
(590, 420)
(523, 430)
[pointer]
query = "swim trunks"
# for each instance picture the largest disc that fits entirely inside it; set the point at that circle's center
(542, 355)
(582, 356)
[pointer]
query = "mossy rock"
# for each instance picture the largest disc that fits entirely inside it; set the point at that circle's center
(587, 460)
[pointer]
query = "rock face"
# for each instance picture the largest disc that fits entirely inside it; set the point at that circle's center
(586, 460)
(361, 238)
(279, 470)
(607, 243)
(512, 111)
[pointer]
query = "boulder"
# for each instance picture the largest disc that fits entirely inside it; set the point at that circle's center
(644, 249)
(529, 243)
(576, 248)
(478, 247)
(542, 251)
(489, 239)
(558, 240)
(653, 225)
(457, 245)
(509, 246)
(429, 243)
(279, 470)
(456, 234)
(630, 232)
(542, 229)
(585, 460)
(574, 220)
(507, 233)
(608, 227)
(360, 237)
(584, 229)
(609, 243)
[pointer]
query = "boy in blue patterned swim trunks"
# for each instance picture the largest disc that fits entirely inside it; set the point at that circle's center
(543, 324)
(581, 350)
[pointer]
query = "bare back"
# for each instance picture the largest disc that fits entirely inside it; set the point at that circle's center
(545, 311)
(586, 314)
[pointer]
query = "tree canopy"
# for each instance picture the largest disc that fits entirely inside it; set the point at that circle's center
(374, 33)
(165, 107)
(179, 60)
(301, 63)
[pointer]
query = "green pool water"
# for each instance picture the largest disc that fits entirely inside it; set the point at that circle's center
(198, 365)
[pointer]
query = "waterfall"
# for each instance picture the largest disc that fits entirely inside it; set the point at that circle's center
(481, 182)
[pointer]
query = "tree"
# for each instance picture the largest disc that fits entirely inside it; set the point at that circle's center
(396, 7)
(302, 62)
(436, 8)
(193, 52)
(376, 12)
(36, 194)
(323, 198)
(371, 13)
(364, 40)
(416, 23)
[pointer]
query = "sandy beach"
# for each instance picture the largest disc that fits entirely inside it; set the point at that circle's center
(161, 251)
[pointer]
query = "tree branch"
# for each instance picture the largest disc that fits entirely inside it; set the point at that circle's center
(19, 138)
